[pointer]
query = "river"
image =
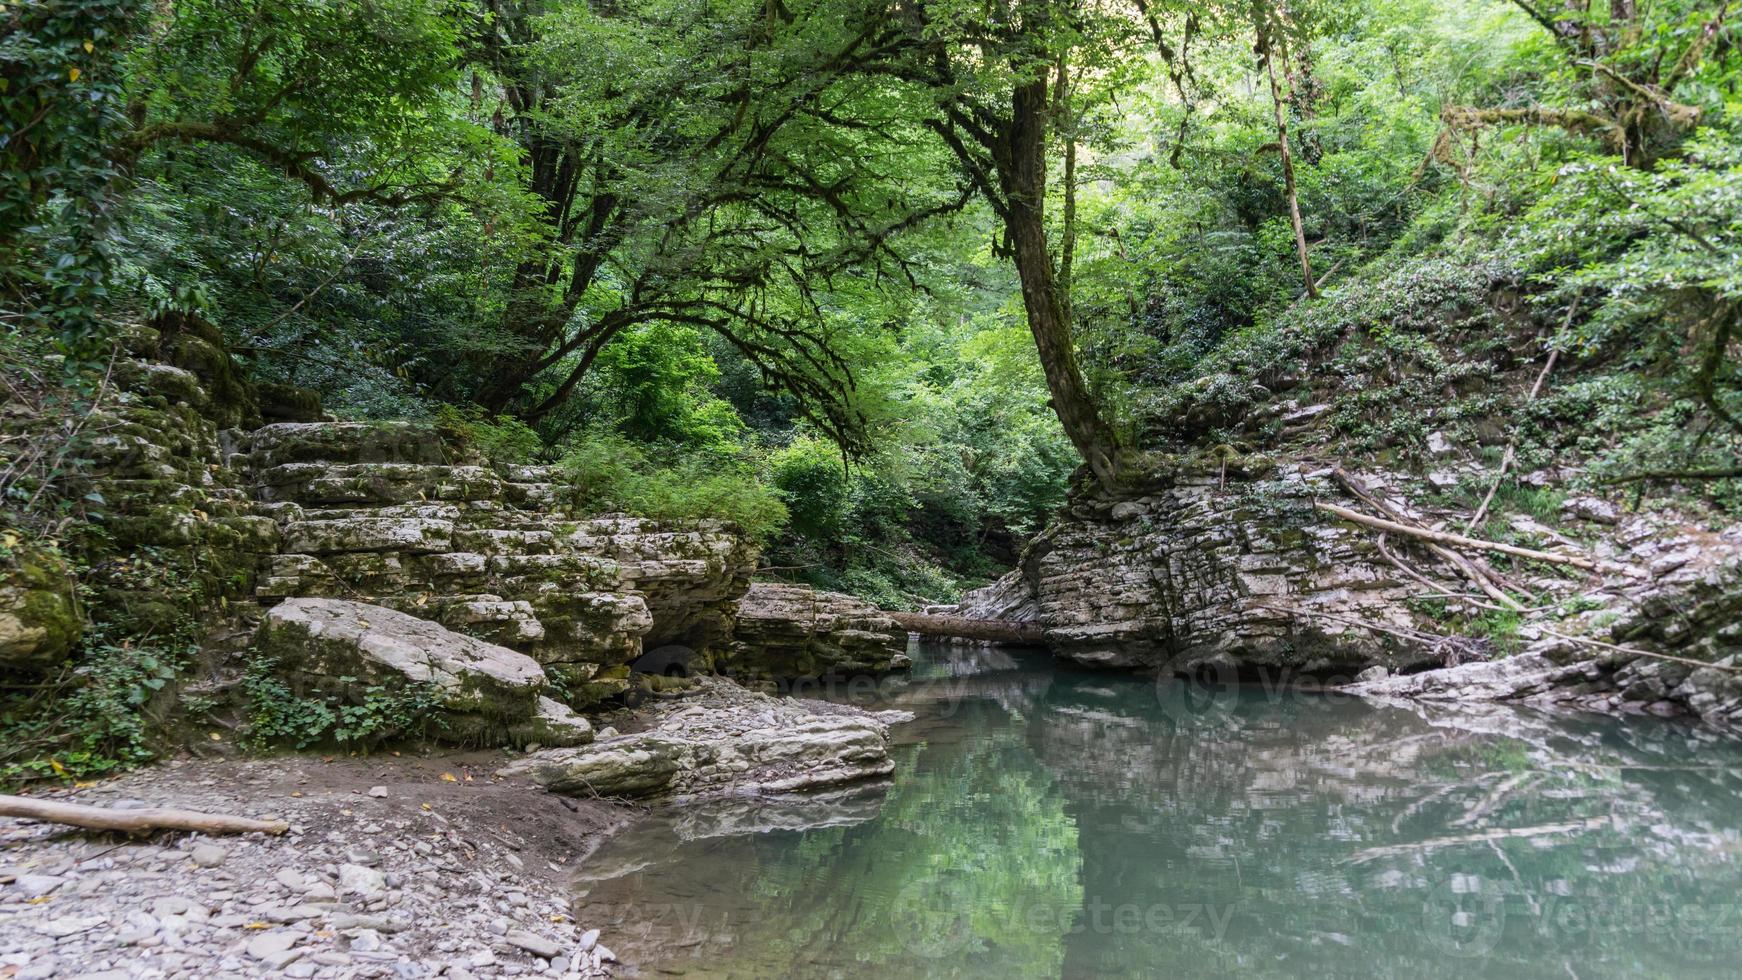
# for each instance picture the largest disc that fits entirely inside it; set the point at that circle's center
(1047, 823)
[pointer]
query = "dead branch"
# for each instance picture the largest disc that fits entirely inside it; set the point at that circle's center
(1512, 444)
(135, 821)
(1479, 575)
(1456, 540)
(1466, 118)
(1635, 651)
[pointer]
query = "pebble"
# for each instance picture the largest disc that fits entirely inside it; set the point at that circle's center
(367, 883)
(534, 944)
(36, 886)
(420, 900)
(269, 943)
(379, 792)
(209, 855)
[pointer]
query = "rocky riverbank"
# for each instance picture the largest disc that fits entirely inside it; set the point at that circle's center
(394, 866)
(452, 864)
(1231, 567)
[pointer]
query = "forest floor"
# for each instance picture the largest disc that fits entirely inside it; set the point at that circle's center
(396, 865)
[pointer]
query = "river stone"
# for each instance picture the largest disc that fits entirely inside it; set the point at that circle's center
(534, 944)
(553, 724)
(792, 631)
(323, 641)
(209, 855)
(722, 740)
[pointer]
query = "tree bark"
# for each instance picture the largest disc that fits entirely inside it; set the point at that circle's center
(134, 821)
(1021, 163)
(962, 627)
(1266, 54)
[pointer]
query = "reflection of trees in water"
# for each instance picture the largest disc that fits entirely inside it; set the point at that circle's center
(1056, 824)
(1346, 837)
(969, 842)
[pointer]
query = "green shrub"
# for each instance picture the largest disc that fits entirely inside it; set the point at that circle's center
(279, 716)
(609, 473)
(813, 483)
(502, 439)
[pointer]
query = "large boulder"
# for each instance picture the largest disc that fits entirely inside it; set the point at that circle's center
(39, 611)
(723, 741)
(338, 648)
(791, 631)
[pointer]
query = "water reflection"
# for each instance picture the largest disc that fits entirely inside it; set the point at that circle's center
(1045, 824)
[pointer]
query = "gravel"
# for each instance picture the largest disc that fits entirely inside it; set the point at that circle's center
(443, 875)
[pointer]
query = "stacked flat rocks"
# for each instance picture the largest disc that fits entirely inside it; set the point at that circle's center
(723, 741)
(792, 631)
(397, 516)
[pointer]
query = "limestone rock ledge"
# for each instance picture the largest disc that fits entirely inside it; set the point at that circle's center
(1215, 567)
(1671, 646)
(336, 647)
(724, 741)
(793, 631)
(401, 515)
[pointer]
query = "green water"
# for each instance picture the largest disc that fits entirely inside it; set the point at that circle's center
(1052, 824)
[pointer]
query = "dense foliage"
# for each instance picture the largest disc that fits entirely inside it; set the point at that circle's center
(789, 262)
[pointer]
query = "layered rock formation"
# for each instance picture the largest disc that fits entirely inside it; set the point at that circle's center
(1210, 565)
(396, 515)
(338, 650)
(1669, 645)
(391, 554)
(790, 631)
(723, 741)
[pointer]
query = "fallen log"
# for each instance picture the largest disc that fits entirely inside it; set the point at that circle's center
(141, 821)
(1456, 540)
(965, 628)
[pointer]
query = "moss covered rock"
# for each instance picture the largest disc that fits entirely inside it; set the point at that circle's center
(338, 648)
(39, 610)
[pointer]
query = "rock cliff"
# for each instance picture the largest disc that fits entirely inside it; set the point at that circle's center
(1206, 566)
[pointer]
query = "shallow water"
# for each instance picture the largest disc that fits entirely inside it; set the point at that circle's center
(1054, 824)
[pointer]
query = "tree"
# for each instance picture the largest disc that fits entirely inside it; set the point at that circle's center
(1001, 76)
(1268, 24)
(726, 168)
(1625, 65)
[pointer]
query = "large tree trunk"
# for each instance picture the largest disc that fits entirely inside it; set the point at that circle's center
(1022, 174)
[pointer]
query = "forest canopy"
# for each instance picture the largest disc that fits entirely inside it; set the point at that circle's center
(872, 278)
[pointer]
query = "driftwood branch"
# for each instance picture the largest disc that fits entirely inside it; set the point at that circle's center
(1456, 540)
(135, 821)
(1479, 574)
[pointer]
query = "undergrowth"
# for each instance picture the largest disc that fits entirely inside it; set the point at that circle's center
(279, 716)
